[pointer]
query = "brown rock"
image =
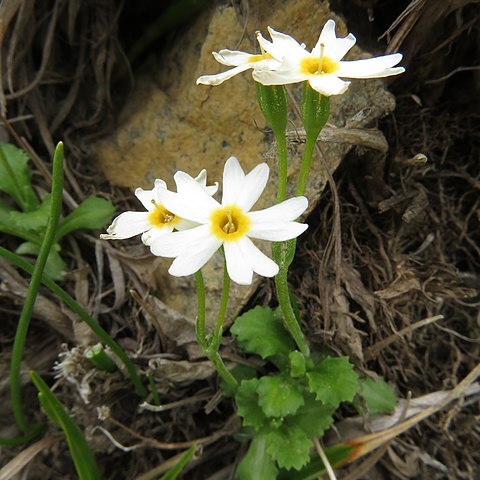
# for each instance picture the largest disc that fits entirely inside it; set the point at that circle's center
(171, 124)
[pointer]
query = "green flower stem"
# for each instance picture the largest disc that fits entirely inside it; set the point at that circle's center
(311, 141)
(291, 321)
(282, 162)
(24, 320)
(217, 333)
(315, 110)
(211, 344)
(200, 325)
(76, 308)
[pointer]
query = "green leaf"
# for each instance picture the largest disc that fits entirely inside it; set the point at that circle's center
(289, 446)
(239, 372)
(314, 417)
(378, 396)
(81, 454)
(35, 219)
(10, 228)
(182, 463)
(333, 381)
(297, 364)
(278, 396)
(246, 399)
(257, 464)
(55, 267)
(92, 213)
(315, 468)
(15, 176)
(258, 331)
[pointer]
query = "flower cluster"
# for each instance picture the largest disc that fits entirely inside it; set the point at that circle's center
(190, 225)
(284, 61)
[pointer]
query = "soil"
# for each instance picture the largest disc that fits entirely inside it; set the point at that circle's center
(388, 272)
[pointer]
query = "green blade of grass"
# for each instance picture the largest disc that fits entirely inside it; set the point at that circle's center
(177, 469)
(24, 320)
(82, 456)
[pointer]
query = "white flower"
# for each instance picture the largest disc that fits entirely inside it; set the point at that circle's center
(323, 67)
(241, 61)
(230, 224)
(157, 220)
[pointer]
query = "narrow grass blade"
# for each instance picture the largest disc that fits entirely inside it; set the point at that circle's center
(24, 320)
(81, 454)
(177, 469)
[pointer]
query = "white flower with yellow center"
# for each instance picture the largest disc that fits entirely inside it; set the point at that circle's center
(230, 224)
(157, 220)
(322, 67)
(241, 62)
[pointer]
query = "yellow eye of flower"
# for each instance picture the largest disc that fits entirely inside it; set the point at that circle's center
(160, 216)
(229, 223)
(318, 66)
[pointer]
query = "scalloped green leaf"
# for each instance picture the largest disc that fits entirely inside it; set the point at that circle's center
(248, 408)
(333, 381)
(314, 417)
(289, 446)
(15, 176)
(278, 396)
(36, 219)
(259, 331)
(92, 213)
(379, 396)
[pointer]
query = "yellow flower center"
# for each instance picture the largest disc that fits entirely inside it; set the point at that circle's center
(160, 216)
(318, 66)
(229, 223)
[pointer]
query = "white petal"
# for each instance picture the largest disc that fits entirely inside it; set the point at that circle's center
(221, 77)
(285, 211)
(370, 67)
(212, 189)
(179, 243)
(127, 225)
(151, 235)
(146, 196)
(277, 231)
(233, 181)
(194, 203)
(334, 48)
(183, 224)
(286, 75)
(238, 267)
(282, 46)
(328, 84)
(232, 58)
(201, 179)
(253, 186)
(260, 263)
(189, 264)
